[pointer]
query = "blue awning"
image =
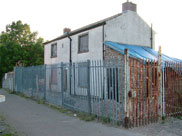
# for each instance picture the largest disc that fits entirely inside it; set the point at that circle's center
(139, 52)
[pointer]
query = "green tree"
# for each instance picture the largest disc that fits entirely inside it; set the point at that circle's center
(18, 43)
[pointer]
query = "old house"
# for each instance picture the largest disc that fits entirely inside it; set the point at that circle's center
(91, 42)
(87, 43)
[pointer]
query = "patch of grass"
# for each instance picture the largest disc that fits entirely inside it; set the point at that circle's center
(106, 120)
(163, 118)
(179, 117)
(9, 131)
(2, 118)
(60, 109)
(9, 91)
(41, 101)
(22, 95)
(7, 135)
(86, 117)
(119, 123)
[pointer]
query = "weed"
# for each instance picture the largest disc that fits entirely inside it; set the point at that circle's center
(179, 117)
(7, 135)
(9, 91)
(41, 101)
(86, 117)
(106, 120)
(118, 123)
(163, 118)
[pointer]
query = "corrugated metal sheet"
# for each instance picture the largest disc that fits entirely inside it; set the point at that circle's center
(139, 52)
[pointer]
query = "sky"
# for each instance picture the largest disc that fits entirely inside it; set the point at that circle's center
(50, 17)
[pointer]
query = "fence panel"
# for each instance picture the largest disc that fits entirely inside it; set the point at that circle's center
(107, 90)
(143, 94)
(100, 88)
(173, 88)
(8, 81)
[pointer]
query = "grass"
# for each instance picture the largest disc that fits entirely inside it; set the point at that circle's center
(106, 120)
(7, 135)
(86, 117)
(41, 101)
(9, 91)
(179, 117)
(10, 131)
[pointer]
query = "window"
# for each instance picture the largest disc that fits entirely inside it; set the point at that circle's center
(54, 75)
(83, 43)
(112, 84)
(83, 74)
(54, 50)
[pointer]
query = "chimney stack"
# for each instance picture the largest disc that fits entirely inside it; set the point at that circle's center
(66, 30)
(129, 6)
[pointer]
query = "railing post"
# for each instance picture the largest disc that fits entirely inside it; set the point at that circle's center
(88, 88)
(45, 81)
(160, 83)
(14, 78)
(62, 83)
(127, 101)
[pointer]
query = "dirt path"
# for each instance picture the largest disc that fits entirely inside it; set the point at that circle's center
(31, 119)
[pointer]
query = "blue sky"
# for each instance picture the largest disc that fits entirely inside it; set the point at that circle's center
(49, 17)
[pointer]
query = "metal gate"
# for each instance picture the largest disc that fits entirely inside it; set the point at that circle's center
(173, 89)
(75, 92)
(143, 94)
(95, 87)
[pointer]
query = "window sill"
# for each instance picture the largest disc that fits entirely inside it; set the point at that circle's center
(82, 52)
(53, 56)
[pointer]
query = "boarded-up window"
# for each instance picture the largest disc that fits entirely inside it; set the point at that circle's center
(54, 50)
(83, 43)
(83, 74)
(54, 75)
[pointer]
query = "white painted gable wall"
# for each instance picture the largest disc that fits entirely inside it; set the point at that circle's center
(128, 28)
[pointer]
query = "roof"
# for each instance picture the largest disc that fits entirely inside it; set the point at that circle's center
(139, 52)
(85, 28)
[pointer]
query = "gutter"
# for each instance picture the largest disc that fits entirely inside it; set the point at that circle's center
(76, 32)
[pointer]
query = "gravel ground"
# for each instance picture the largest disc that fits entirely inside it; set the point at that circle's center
(169, 127)
(32, 119)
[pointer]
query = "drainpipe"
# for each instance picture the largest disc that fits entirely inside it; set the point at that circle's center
(70, 61)
(70, 48)
(103, 52)
(103, 40)
(151, 37)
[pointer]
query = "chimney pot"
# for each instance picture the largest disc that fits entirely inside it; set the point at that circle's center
(66, 30)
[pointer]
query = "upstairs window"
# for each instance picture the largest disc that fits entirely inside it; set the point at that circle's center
(83, 43)
(54, 50)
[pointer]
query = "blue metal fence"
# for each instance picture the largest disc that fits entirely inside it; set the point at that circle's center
(95, 87)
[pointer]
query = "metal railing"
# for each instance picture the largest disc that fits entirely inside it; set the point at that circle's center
(127, 91)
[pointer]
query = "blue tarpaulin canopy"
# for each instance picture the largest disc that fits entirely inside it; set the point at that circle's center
(139, 52)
